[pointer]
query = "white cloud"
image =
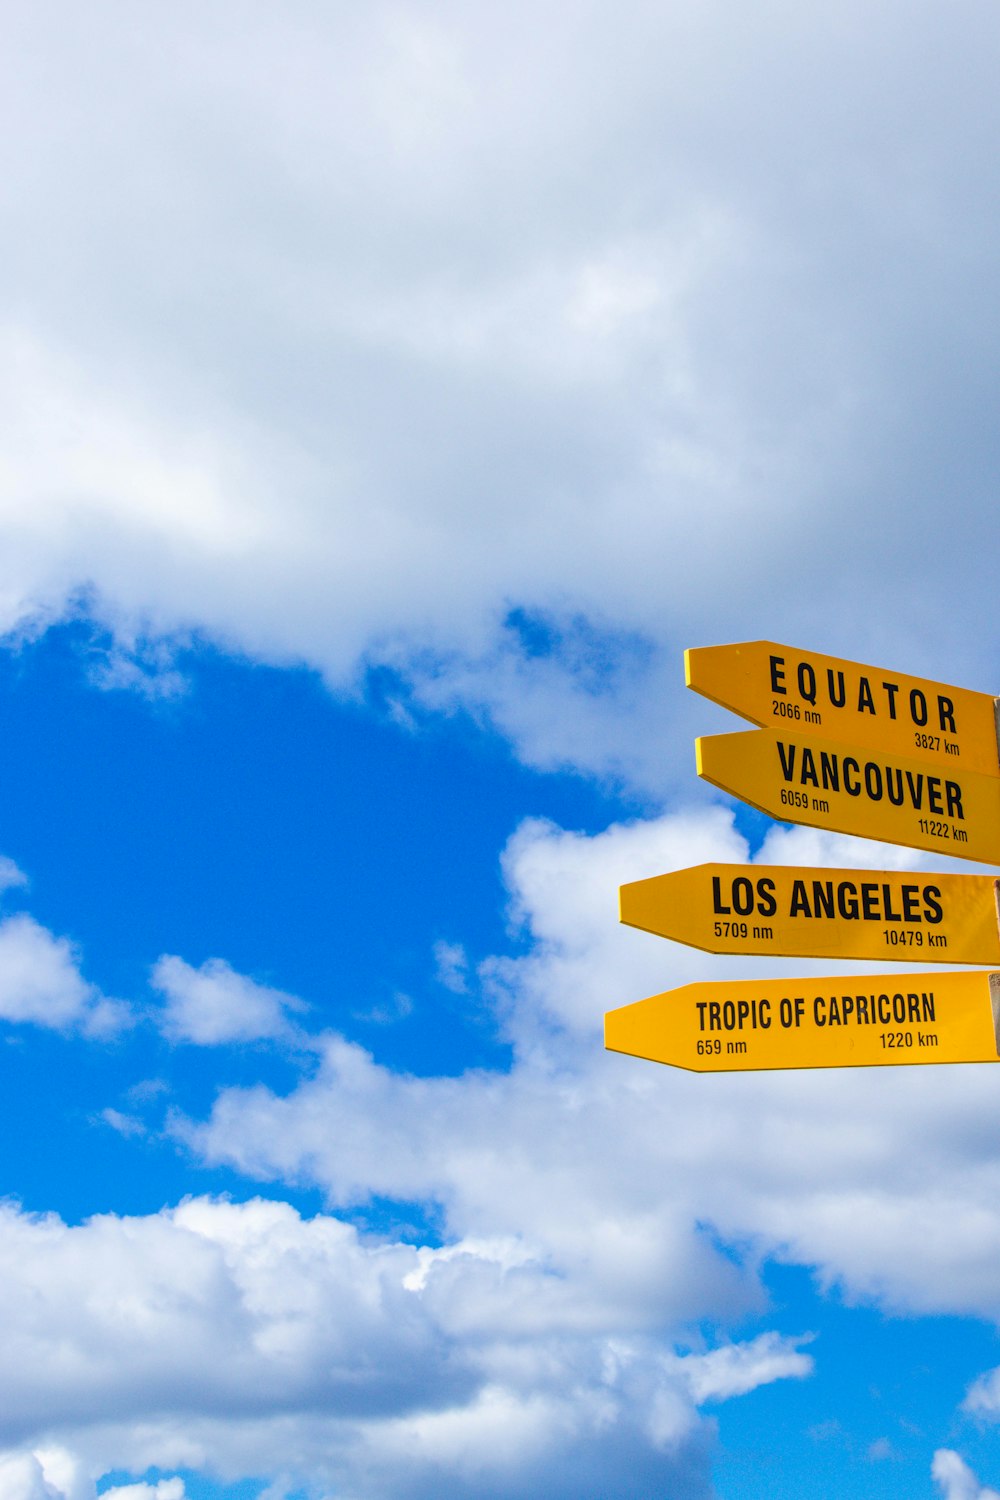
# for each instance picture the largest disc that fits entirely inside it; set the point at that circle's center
(213, 1005)
(983, 1396)
(734, 1369)
(122, 1124)
(48, 1473)
(956, 1480)
(10, 876)
(163, 1489)
(246, 1339)
(22, 1478)
(536, 1338)
(41, 983)
(198, 1309)
(452, 966)
(453, 329)
(345, 336)
(883, 1180)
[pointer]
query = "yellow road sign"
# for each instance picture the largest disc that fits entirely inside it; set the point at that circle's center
(856, 1022)
(851, 790)
(782, 688)
(821, 913)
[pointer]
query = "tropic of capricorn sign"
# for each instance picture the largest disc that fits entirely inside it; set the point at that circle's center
(858, 1021)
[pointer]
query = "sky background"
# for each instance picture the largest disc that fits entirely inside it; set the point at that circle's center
(388, 395)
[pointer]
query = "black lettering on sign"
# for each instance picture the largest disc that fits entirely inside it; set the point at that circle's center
(823, 898)
(800, 901)
(847, 900)
(717, 906)
(872, 780)
(742, 896)
(767, 905)
(834, 691)
(745, 896)
(830, 771)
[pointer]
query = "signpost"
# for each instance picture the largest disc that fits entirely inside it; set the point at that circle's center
(821, 913)
(853, 1022)
(847, 789)
(781, 688)
(856, 750)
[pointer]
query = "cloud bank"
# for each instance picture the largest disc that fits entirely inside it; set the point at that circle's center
(244, 1339)
(380, 340)
(594, 1212)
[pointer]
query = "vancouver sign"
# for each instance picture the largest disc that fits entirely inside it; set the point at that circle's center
(847, 789)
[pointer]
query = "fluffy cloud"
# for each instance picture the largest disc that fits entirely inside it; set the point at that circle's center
(23, 1478)
(593, 1207)
(41, 983)
(983, 1397)
(376, 337)
(213, 1005)
(956, 1479)
(734, 1369)
(242, 1338)
(57, 1474)
(163, 1489)
(381, 336)
(882, 1180)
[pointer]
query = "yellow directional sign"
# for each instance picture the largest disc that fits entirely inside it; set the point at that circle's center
(782, 688)
(863, 1021)
(820, 913)
(851, 790)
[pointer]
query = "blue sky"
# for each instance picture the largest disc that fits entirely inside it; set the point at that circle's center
(389, 396)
